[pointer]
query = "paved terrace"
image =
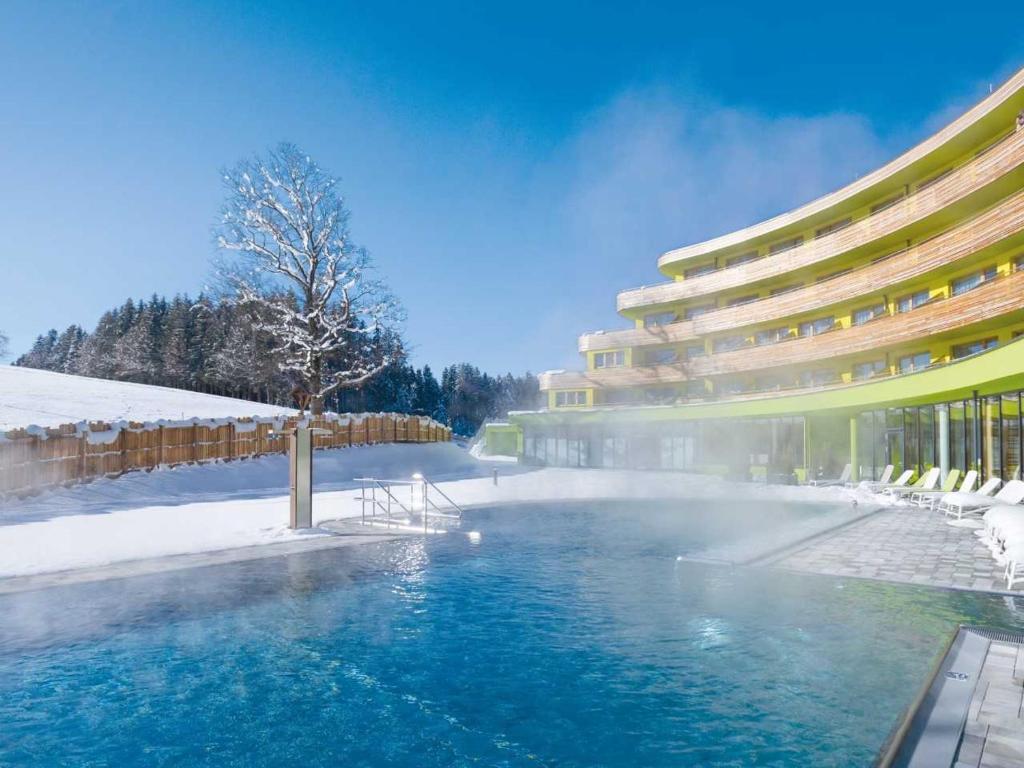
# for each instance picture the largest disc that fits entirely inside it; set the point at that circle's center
(900, 544)
(993, 735)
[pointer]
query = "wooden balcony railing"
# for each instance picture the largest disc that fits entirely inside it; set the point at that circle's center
(969, 237)
(880, 230)
(1001, 106)
(997, 299)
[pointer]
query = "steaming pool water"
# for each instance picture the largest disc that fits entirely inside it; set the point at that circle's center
(564, 635)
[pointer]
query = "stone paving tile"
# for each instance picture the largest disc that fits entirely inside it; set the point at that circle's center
(994, 731)
(903, 544)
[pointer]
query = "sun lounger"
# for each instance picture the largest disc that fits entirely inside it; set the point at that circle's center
(957, 505)
(928, 499)
(841, 480)
(928, 481)
(885, 479)
(901, 482)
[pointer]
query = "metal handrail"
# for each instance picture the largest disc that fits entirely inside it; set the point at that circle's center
(374, 483)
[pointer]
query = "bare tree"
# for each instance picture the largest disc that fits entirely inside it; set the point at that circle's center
(3, 345)
(286, 219)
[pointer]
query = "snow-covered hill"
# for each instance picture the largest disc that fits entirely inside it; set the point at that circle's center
(47, 399)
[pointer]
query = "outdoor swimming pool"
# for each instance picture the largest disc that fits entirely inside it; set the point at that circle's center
(565, 636)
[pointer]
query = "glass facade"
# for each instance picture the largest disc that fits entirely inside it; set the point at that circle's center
(765, 448)
(985, 434)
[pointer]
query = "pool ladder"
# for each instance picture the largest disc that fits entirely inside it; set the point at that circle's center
(380, 505)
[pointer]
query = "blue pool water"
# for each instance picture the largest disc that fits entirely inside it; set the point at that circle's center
(566, 636)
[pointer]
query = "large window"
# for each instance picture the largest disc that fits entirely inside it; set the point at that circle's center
(786, 289)
(661, 395)
(818, 378)
(572, 397)
(786, 245)
(695, 350)
(816, 327)
(743, 258)
(615, 359)
(970, 282)
(728, 343)
(1018, 263)
(693, 312)
(869, 370)
(772, 336)
(867, 314)
(916, 362)
(912, 301)
(703, 269)
(835, 226)
(618, 396)
(879, 207)
(665, 356)
(742, 300)
(973, 347)
(659, 318)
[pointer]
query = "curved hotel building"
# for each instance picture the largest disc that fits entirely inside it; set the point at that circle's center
(879, 324)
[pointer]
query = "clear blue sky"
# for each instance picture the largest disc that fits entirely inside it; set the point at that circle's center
(510, 165)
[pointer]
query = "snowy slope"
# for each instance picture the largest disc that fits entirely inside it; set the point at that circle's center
(47, 399)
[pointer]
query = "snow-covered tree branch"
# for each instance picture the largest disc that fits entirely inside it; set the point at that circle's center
(3, 345)
(296, 263)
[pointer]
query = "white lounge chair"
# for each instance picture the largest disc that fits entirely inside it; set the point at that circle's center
(841, 480)
(955, 504)
(929, 480)
(928, 499)
(900, 482)
(884, 479)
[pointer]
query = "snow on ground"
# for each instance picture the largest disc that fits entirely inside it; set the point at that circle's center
(48, 399)
(222, 506)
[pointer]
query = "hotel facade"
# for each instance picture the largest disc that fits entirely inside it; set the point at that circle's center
(879, 324)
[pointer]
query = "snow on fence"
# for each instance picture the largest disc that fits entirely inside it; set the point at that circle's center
(36, 458)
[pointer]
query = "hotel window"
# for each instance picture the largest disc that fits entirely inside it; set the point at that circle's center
(661, 395)
(742, 300)
(835, 226)
(610, 359)
(912, 301)
(970, 282)
(695, 350)
(867, 314)
(693, 312)
(879, 207)
(863, 371)
(934, 179)
(771, 336)
(573, 397)
(829, 276)
(732, 387)
(1018, 263)
(769, 383)
(786, 289)
(618, 396)
(816, 327)
(660, 318)
(918, 362)
(818, 378)
(743, 258)
(973, 347)
(696, 388)
(889, 255)
(728, 343)
(786, 245)
(661, 356)
(703, 269)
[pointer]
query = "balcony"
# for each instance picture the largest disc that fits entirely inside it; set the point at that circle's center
(970, 129)
(981, 182)
(989, 304)
(984, 231)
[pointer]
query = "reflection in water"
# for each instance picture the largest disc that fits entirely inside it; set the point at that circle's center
(568, 636)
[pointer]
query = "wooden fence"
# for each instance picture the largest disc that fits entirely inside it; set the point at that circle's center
(31, 460)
